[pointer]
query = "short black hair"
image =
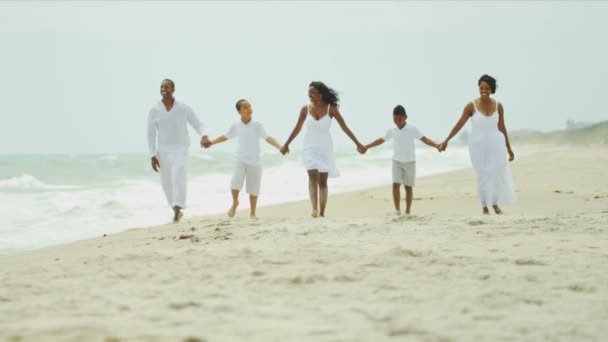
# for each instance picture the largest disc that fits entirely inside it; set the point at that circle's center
(399, 110)
(170, 81)
(239, 103)
(491, 81)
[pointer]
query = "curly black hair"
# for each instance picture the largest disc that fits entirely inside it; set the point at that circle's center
(491, 81)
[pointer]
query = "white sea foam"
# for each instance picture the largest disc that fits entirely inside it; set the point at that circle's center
(64, 213)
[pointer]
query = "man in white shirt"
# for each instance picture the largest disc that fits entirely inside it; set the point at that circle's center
(167, 123)
(404, 156)
(248, 165)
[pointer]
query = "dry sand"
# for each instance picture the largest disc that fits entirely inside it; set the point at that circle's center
(446, 273)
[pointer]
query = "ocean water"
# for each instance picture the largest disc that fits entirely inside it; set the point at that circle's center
(54, 199)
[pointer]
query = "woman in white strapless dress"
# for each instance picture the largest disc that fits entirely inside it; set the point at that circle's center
(489, 147)
(317, 148)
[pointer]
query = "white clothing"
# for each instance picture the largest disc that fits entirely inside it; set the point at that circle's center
(253, 173)
(248, 151)
(403, 146)
(173, 177)
(170, 127)
(172, 146)
(490, 160)
(404, 173)
(318, 147)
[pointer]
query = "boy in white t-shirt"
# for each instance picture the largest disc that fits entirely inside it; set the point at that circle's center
(404, 156)
(248, 164)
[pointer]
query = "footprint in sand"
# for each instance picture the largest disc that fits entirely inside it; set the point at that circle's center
(475, 222)
(581, 288)
(404, 331)
(533, 301)
(308, 279)
(181, 306)
(194, 339)
(345, 279)
(399, 251)
(531, 262)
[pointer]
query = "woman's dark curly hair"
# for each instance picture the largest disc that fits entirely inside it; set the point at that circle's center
(491, 81)
(329, 95)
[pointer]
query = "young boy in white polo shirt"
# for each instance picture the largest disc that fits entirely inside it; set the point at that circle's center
(248, 164)
(404, 156)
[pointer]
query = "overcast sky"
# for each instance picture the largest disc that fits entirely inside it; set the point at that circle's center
(80, 77)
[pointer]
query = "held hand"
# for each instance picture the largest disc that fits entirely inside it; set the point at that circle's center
(511, 155)
(205, 142)
(155, 164)
(443, 146)
(284, 149)
(362, 149)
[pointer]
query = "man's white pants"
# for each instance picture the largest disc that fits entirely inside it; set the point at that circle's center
(173, 177)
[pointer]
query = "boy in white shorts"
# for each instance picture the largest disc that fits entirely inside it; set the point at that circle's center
(248, 167)
(404, 156)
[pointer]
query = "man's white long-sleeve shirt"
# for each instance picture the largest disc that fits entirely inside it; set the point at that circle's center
(170, 127)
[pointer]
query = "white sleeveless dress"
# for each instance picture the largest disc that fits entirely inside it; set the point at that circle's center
(318, 146)
(490, 160)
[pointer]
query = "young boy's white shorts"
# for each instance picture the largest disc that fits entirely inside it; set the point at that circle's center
(404, 173)
(253, 174)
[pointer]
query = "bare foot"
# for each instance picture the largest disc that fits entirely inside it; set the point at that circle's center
(407, 212)
(486, 211)
(497, 209)
(315, 213)
(178, 217)
(398, 212)
(253, 217)
(232, 210)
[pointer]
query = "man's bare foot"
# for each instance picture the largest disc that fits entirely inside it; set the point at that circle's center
(407, 212)
(232, 210)
(486, 211)
(397, 212)
(178, 216)
(253, 217)
(497, 209)
(315, 213)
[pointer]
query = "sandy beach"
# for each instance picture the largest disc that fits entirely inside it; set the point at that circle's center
(445, 273)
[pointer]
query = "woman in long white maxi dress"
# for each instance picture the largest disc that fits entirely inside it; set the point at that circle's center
(317, 148)
(489, 147)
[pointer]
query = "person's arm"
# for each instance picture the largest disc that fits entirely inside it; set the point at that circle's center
(375, 143)
(152, 134)
(296, 130)
(264, 135)
(466, 114)
(335, 113)
(430, 142)
(219, 140)
(198, 126)
(274, 143)
(229, 135)
(503, 128)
